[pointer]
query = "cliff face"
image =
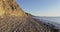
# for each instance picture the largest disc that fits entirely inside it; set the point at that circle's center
(9, 7)
(17, 20)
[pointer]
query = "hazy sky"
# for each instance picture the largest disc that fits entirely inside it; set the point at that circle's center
(41, 7)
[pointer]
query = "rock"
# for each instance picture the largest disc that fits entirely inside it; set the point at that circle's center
(9, 7)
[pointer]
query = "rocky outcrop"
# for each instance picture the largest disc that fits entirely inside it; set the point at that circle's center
(9, 7)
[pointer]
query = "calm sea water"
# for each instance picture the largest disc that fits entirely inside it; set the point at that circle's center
(50, 21)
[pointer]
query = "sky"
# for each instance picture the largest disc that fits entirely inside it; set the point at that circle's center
(40, 7)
